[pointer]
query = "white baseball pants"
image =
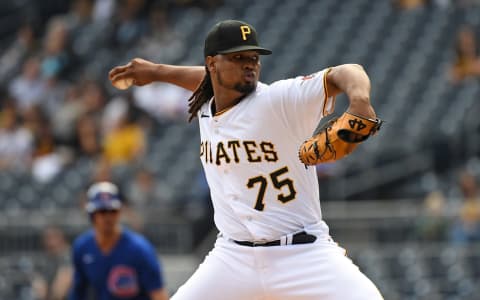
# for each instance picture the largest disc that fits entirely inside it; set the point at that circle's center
(317, 271)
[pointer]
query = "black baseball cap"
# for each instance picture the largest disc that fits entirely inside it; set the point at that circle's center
(232, 36)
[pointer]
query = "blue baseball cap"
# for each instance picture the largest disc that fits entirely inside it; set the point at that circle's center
(103, 196)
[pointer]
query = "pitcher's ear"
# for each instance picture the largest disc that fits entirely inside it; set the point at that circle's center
(210, 63)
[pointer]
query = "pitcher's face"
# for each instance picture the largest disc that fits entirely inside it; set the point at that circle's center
(238, 71)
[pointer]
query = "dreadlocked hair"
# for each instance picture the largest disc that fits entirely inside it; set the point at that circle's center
(201, 95)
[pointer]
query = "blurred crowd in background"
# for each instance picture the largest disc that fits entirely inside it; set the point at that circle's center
(57, 108)
(462, 200)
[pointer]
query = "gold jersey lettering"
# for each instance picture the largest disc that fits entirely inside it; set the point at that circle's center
(234, 145)
(221, 153)
(210, 150)
(250, 148)
(225, 152)
(269, 150)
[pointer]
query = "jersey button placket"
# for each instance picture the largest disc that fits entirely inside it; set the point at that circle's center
(215, 126)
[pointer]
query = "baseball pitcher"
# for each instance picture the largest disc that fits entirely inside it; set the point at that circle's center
(273, 243)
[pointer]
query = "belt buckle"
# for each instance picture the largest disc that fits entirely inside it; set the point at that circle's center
(258, 244)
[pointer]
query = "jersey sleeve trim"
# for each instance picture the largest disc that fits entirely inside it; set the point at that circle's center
(326, 111)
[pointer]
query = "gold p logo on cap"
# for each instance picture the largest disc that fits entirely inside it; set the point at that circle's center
(245, 30)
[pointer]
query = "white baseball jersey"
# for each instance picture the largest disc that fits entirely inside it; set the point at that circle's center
(262, 192)
(259, 188)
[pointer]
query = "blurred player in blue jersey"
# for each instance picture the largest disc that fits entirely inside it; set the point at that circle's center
(110, 261)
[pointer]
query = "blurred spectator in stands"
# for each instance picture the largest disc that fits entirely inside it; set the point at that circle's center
(55, 44)
(24, 45)
(164, 102)
(413, 4)
(87, 137)
(33, 117)
(408, 4)
(55, 52)
(103, 9)
(47, 160)
(67, 114)
(88, 133)
(114, 111)
(16, 141)
(53, 280)
(29, 87)
(55, 94)
(129, 23)
(55, 65)
(162, 42)
(467, 226)
(79, 15)
(125, 140)
(94, 99)
(467, 62)
(87, 34)
(432, 224)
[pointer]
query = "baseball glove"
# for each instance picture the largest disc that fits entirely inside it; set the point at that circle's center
(337, 138)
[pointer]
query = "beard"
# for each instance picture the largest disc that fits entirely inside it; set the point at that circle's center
(245, 88)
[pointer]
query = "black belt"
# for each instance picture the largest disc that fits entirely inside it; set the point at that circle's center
(297, 238)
